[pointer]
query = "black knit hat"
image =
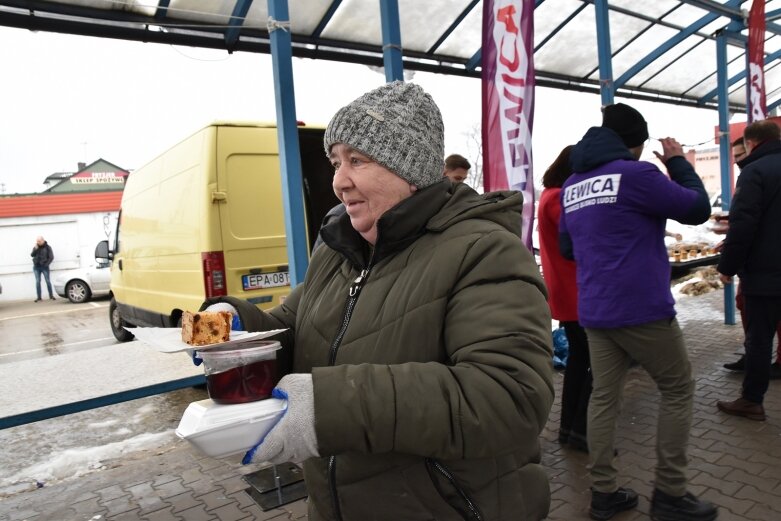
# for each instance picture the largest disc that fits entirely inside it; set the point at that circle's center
(627, 122)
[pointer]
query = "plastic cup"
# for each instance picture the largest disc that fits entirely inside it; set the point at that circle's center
(240, 375)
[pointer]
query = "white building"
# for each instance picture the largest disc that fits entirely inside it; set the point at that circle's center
(73, 216)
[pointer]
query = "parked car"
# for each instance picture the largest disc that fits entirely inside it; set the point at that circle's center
(81, 284)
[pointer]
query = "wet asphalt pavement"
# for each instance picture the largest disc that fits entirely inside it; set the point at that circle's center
(36, 335)
(37, 329)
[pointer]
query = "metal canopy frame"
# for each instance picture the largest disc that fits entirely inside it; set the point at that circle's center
(170, 22)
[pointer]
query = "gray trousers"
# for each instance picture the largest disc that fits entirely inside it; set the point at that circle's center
(658, 347)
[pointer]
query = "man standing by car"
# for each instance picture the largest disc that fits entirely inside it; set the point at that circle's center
(614, 211)
(752, 250)
(43, 256)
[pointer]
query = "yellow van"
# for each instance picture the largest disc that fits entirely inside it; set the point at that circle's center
(205, 218)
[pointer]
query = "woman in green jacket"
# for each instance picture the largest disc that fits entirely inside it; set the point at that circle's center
(418, 345)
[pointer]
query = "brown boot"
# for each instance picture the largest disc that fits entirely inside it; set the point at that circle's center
(743, 407)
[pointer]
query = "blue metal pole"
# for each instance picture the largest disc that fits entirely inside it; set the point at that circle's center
(100, 401)
(391, 40)
(287, 134)
(724, 155)
(606, 87)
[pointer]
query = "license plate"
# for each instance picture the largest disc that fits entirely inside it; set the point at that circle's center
(265, 280)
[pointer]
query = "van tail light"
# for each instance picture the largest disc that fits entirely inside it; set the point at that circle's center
(214, 273)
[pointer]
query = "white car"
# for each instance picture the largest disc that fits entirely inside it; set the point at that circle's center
(81, 284)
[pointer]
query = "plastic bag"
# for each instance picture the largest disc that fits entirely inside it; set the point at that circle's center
(560, 348)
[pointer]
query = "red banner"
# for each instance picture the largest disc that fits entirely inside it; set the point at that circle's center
(508, 101)
(756, 61)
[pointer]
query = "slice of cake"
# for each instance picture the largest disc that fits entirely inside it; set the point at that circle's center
(206, 327)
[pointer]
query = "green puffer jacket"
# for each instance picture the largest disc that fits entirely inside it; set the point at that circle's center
(430, 396)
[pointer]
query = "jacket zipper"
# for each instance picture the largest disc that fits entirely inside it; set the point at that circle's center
(474, 513)
(353, 294)
(354, 291)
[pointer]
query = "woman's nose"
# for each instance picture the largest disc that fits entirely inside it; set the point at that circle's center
(341, 179)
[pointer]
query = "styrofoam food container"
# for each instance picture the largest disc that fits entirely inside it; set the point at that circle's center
(224, 430)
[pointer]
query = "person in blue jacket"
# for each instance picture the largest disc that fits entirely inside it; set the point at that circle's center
(613, 223)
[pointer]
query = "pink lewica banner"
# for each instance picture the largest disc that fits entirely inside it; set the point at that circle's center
(508, 101)
(756, 61)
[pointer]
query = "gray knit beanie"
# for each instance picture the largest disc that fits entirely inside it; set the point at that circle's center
(399, 126)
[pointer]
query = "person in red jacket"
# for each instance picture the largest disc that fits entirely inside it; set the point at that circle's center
(559, 275)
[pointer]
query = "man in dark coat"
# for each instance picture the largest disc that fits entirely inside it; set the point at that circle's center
(752, 250)
(42, 255)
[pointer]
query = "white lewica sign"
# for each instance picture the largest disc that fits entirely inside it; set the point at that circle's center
(601, 189)
(98, 178)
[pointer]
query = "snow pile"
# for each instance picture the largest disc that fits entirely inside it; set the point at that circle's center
(79, 461)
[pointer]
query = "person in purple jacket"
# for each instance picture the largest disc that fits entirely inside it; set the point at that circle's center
(614, 212)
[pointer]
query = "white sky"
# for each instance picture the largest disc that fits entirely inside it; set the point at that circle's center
(67, 99)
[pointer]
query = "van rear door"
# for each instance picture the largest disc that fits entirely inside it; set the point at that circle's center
(249, 197)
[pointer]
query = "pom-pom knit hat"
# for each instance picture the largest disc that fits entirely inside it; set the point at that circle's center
(399, 126)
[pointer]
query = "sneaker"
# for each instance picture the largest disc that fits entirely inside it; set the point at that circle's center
(687, 507)
(737, 366)
(37, 300)
(743, 407)
(605, 505)
(775, 371)
(52, 298)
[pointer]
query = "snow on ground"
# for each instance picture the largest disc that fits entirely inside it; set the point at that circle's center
(78, 461)
(65, 448)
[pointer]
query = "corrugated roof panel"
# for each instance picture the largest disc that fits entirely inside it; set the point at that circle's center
(57, 204)
(549, 15)
(206, 11)
(421, 23)
(735, 59)
(467, 38)
(639, 48)
(637, 51)
(304, 16)
(685, 73)
(625, 28)
(714, 26)
(686, 15)
(344, 24)
(737, 92)
(435, 17)
(772, 44)
(653, 9)
(573, 52)
(355, 30)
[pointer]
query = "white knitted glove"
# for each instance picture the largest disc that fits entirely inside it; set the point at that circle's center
(293, 438)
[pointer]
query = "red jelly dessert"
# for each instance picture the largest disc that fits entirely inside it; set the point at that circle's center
(245, 383)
